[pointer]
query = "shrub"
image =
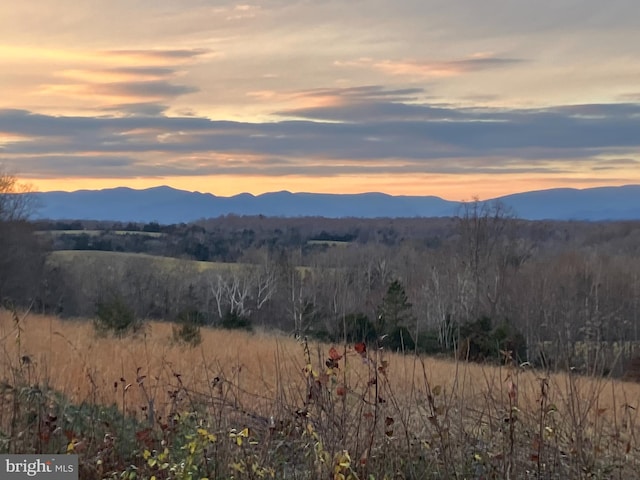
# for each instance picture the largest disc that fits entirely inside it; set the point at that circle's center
(429, 343)
(187, 328)
(115, 317)
(400, 340)
(234, 321)
(358, 328)
(481, 341)
(508, 338)
(321, 334)
(187, 334)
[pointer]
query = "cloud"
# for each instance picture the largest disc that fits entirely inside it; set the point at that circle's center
(364, 92)
(124, 84)
(144, 109)
(72, 165)
(616, 163)
(153, 89)
(368, 131)
(329, 97)
(432, 69)
(135, 92)
(155, 56)
(104, 75)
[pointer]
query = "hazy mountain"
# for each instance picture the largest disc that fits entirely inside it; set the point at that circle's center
(168, 205)
(602, 203)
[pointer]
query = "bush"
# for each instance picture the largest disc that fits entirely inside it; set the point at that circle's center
(233, 321)
(400, 340)
(187, 334)
(187, 328)
(480, 341)
(429, 343)
(115, 317)
(510, 339)
(358, 328)
(322, 335)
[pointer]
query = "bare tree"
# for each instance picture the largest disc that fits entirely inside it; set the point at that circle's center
(21, 253)
(16, 203)
(491, 253)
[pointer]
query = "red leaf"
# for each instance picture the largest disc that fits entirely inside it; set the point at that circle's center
(361, 348)
(334, 355)
(341, 391)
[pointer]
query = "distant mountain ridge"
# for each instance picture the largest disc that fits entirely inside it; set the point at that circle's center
(168, 205)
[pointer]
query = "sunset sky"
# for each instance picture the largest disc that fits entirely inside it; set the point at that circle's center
(417, 97)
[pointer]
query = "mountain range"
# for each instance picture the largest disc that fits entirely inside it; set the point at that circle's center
(167, 205)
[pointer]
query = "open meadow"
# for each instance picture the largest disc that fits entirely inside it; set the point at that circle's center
(71, 257)
(243, 405)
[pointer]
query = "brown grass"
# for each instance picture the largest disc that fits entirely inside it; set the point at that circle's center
(70, 357)
(437, 404)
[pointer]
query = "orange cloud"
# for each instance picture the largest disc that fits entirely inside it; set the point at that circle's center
(418, 69)
(279, 100)
(9, 137)
(433, 69)
(117, 74)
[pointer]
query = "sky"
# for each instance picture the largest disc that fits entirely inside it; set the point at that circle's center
(458, 99)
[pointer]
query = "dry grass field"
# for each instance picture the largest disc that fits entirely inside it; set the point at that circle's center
(304, 410)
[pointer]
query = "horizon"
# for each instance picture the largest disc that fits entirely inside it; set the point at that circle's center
(472, 198)
(229, 97)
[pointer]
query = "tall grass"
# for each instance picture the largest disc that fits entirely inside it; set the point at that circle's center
(261, 405)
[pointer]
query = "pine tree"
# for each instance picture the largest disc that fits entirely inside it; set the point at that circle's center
(395, 309)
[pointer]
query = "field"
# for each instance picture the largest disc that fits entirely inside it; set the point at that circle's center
(95, 233)
(261, 405)
(70, 257)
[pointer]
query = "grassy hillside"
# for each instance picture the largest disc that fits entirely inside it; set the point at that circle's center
(265, 406)
(69, 257)
(93, 233)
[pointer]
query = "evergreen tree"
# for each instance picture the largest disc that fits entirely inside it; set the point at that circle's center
(395, 309)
